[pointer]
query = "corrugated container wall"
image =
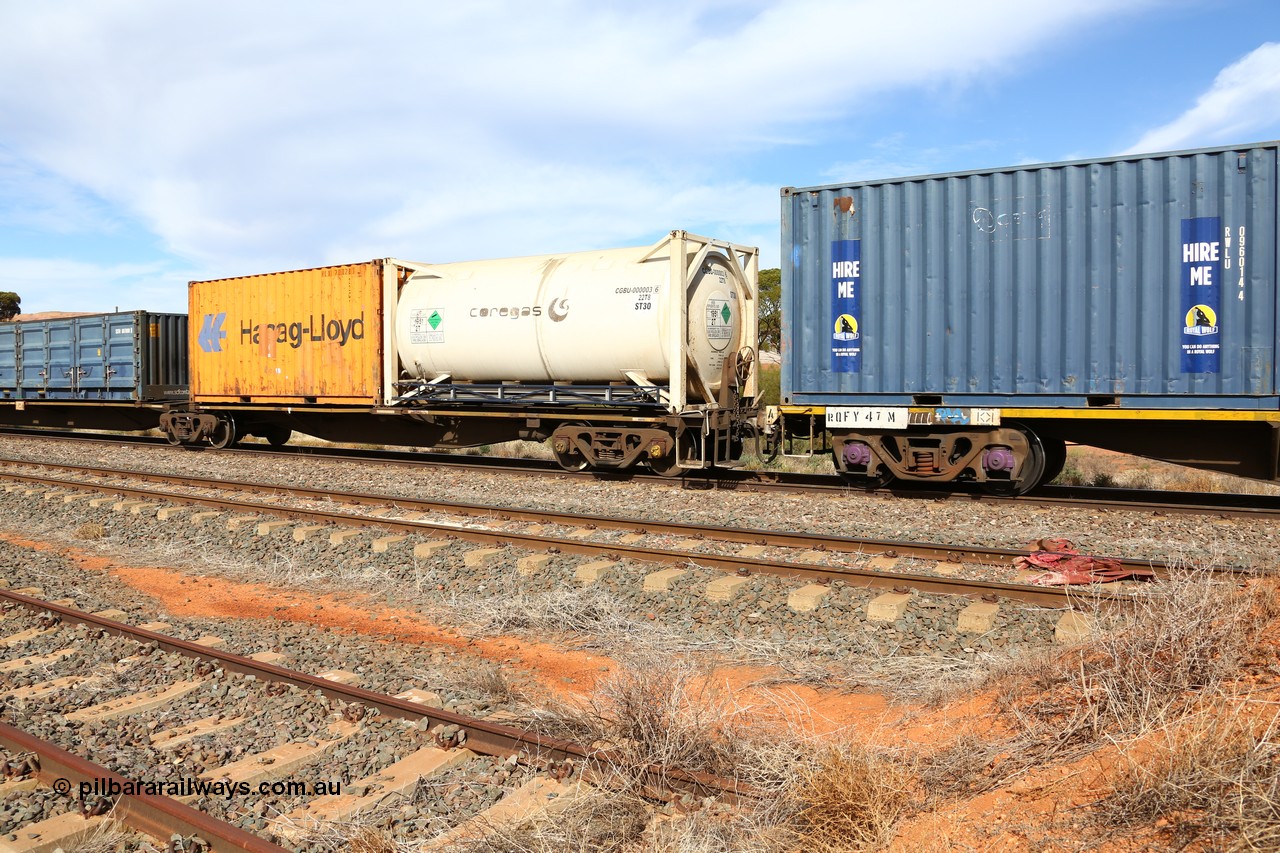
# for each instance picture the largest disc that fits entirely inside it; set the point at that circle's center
(135, 356)
(1149, 278)
(306, 336)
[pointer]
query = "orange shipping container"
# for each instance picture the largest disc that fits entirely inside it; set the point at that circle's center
(306, 336)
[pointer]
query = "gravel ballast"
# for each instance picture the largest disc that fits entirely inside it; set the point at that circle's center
(1179, 539)
(495, 598)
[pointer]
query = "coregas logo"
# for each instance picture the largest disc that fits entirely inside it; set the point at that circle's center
(512, 313)
(557, 310)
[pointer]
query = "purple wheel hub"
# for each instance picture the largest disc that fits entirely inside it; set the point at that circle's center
(857, 453)
(999, 459)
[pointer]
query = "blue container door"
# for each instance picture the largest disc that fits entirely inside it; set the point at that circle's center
(120, 355)
(33, 345)
(87, 368)
(8, 357)
(60, 379)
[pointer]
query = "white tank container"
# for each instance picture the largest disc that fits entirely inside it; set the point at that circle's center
(588, 317)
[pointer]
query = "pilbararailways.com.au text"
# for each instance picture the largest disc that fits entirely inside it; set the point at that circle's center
(187, 787)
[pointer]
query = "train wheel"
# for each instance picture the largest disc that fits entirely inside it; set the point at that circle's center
(277, 436)
(566, 452)
(172, 438)
(1055, 455)
(224, 434)
(1032, 472)
(859, 455)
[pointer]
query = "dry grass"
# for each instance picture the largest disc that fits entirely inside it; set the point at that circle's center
(110, 837)
(510, 450)
(1088, 467)
(370, 840)
(964, 766)
(817, 463)
(926, 679)
(363, 833)
(1208, 777)
(850, 798)
(713, 830)
(597, 821)
(1159, 684)
(91, 530)
(490, 681)
(1177, 641)
(555, 611)
(584, 618)
(659, 713)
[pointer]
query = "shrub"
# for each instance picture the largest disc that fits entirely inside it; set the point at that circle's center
(1151, 657)
(91, 530)
(850, 798)
(1206, 775)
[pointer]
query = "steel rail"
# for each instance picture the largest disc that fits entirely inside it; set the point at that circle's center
(939, 584)
(482, 736)
(151, 814)
(739, 479)
(737, 535)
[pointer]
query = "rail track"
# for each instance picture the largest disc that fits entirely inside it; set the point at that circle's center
(55, 671)
(898, 568)
(1090, 497)
(817, 559)
(160, 818)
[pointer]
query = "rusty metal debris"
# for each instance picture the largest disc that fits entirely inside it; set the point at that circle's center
(1063, 565)
(21, 766)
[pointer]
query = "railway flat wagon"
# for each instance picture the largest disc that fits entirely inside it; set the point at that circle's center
(618, 356)
(965, 326)
(93, 371)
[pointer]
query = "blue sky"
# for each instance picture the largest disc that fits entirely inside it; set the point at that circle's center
(145, 143)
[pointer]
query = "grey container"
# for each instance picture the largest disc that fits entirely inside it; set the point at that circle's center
(136, 356)
(1145, 281)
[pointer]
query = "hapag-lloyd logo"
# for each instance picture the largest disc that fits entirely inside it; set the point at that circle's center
(327, 329)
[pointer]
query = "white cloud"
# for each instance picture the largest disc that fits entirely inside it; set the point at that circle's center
(893, 157)
(254, 135)
(1244, 99)
(34, 198)
(60, 285)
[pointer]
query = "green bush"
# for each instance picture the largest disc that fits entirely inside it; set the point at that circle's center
(770, 386)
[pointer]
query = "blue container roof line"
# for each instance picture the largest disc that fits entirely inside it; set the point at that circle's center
(1098, 164)
(1056, 280)
(125, 356)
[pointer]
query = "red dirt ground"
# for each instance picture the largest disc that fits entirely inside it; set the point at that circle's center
(571, 673)
(1014, 818)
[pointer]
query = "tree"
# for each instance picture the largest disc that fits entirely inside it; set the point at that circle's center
(10, 304)
(770, 309)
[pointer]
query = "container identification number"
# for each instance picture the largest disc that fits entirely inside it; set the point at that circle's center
(643, 295)
(872, 417)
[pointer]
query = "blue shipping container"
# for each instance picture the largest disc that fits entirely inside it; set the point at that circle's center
(1148, 279)
(135, 356)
